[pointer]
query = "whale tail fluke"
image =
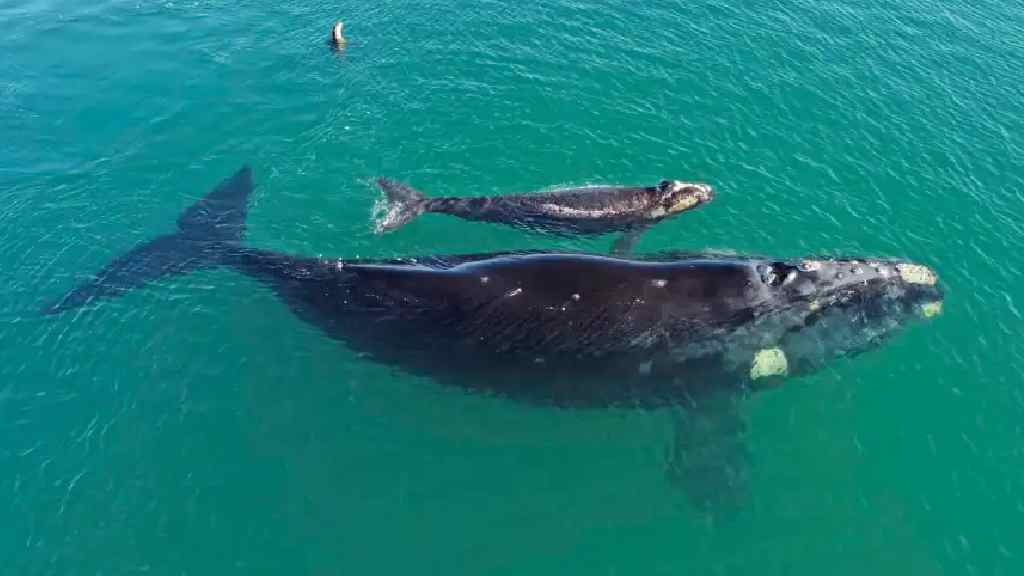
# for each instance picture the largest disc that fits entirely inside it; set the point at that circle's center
(220, 214)
(404, 204)
(207, 232)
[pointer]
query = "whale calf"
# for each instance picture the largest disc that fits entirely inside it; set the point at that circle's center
(697, 331)
(586, 210)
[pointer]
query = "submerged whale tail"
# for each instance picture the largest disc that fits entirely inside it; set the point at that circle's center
(207, 231)
(404, 204)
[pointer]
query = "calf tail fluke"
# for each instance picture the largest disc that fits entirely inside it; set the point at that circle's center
(207, 231)
(403, 204)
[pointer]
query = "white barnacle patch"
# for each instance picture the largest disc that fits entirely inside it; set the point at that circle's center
(659, 282)
(916, 274)
(769, 362)
(789, 277)
(813, 305)
(513, 292)
(810, 265)
(485, 279)
(930, 309)
(575, 297)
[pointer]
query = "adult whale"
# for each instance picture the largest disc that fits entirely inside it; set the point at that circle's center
(697, 331)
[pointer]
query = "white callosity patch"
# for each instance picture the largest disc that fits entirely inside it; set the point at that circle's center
(916, 274)
(689, 200)
(769, 362)
(930, 309)
(679, 185)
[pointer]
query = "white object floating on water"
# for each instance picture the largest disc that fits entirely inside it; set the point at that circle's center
(338, 34)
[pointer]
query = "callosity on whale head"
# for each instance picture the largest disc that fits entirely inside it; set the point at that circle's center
(807, 313)
(678, 196)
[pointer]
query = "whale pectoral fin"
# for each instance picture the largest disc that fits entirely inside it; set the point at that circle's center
(624, 244)
(708, 457)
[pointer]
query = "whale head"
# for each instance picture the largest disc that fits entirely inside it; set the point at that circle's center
(677, 196)
(814, 311)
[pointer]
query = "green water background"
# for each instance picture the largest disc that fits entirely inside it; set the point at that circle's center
(198, 427)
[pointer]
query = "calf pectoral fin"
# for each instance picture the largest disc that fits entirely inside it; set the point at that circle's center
(624, 244)
(708, 456)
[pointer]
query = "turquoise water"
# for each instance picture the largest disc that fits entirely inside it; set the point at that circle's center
(198, 427)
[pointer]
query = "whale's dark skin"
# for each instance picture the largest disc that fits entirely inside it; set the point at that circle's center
(582, 330)
(697, 331)
(587, 210)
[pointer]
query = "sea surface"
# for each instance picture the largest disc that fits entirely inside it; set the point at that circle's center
(197, 427)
